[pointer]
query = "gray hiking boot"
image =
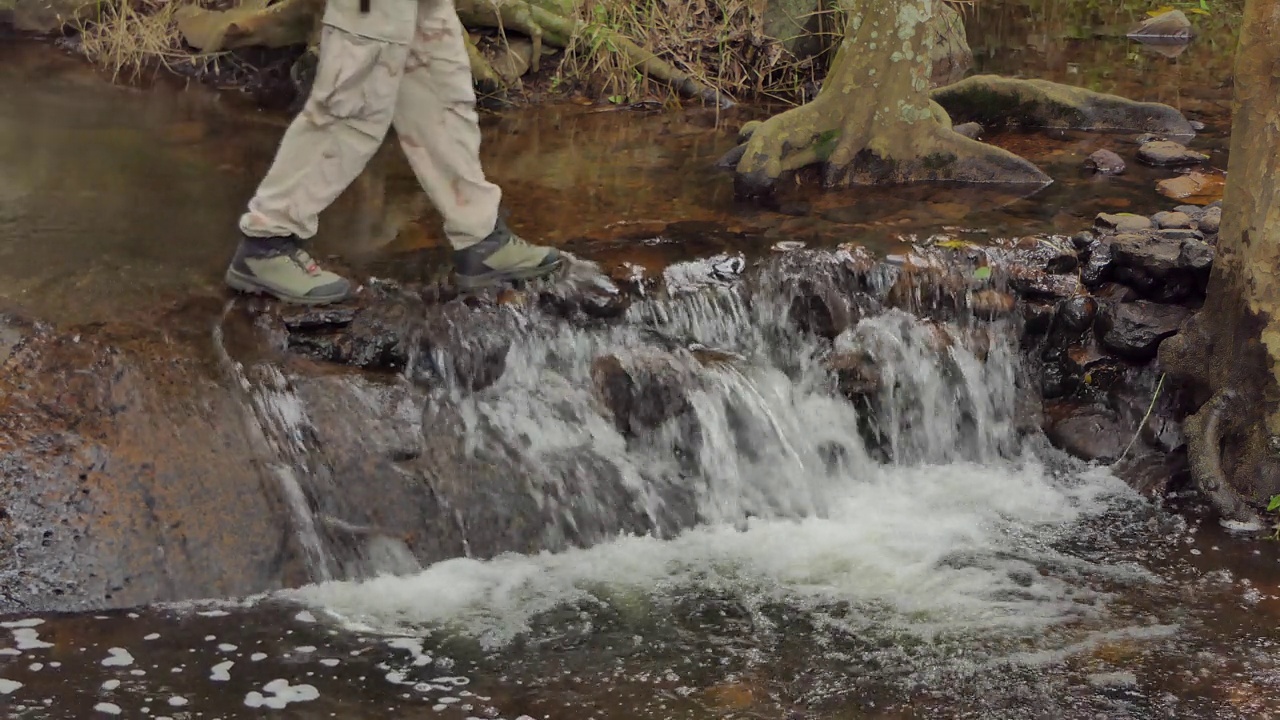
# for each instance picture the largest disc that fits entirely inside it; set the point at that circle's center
(503, 257)
(279, 268)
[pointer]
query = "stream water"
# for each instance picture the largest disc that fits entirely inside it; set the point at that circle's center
(957, 567)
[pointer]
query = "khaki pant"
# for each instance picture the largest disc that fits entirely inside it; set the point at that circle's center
(404, 63)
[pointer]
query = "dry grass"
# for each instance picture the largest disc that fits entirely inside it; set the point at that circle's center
(136, 35)
(720, 43)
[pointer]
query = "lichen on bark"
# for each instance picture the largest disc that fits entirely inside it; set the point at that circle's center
(874, 121)
(1227, 357)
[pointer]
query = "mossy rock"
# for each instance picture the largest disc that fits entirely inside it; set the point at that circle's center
(994, 101)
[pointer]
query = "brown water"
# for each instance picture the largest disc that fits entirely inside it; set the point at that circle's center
(116, 203)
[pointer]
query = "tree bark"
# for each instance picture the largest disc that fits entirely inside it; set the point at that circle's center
(1227, 354)
(873, 121)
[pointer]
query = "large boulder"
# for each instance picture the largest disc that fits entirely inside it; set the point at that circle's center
(1134, 330)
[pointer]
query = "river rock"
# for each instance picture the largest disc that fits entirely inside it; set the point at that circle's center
(1167, 220)
(1097, 269)
(1089, 371)
(1167, 153)
(643, 390)
(1168, 26)
(1105, 162)
(1122, 222)
(971, 130)
(1076, 313)
(1195, 186)
(1090, 433)
(1211, 221)
(1134, 330)
(1157, 267)
(1037, 317)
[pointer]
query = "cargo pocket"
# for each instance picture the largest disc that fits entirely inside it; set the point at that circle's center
(391, 21)
(357, 81)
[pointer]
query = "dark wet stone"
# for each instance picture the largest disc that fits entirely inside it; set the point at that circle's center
(1098, 267)
(1122, 222)
(1115, 292)
(1089, 371)
(1145, 138)
(1077, 313)
(1210, 222)
(1134, 330)
(1052, 381)
(971, 130)
(1083, 240)
(373, 339)
(1167, 26)
(822, 309)
(642, 391)
(1037, 317)
(318, 319)
(1156, 266)
(1090, 433)
(1166, 153)
(1105, 162)
(1196, 125)
(1192, 211)
(1043, 286)
(1182, 234)
(856, 373)
(1197, 256)
(1175, 219)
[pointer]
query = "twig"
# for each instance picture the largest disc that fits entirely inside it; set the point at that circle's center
(1142, 424)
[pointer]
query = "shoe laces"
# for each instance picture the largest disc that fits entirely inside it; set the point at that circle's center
(304, 260)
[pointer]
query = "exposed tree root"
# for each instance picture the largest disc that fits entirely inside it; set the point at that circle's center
(1204, 453)
(873, 121)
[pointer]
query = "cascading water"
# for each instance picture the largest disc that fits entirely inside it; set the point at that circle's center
(753, 482)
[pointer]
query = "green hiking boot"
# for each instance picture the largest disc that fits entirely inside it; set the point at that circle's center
(279, 268)
(503, 257)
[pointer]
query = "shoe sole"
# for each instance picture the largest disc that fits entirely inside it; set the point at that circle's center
(248, 285)
(498, 277)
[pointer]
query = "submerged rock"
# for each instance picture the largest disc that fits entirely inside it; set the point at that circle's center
(1105, 162)
(1175, 219)
(971, 130)
(1134, 330)
(1090, 433)
(642, 390)
(1122, 222)
(1166, 153)
(1194, 186)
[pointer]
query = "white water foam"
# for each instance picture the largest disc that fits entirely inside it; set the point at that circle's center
(953, 534)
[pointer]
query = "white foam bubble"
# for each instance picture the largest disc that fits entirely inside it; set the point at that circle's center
(178, 701)
(110, 685)
(118, 657)
(26, 623)
(305, 617)
(227, 647)
(107, 708)
(258, 657)
(8, 687)
(330, 662)
(305, 649)
(222, 671)
(281, 694)
(213, 613)
(35, 667)
(28, 639)
(152, 636)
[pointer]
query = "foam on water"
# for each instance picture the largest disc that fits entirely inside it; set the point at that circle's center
(792, 504)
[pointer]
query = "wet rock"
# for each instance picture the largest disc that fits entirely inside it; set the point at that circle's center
(1043, 286)
(971, 130)
(1134, 330)
(1082, 241)
(1097, 269)
(1182, 234)
(1167, 220)
(1076, 314)
(990, 304)
(1051, 255)
(642, 390)
(1194, 186)
(1091, 433)
(1105, 162)
(1037, 317)
(1115, 292)
(373, 337)
(1167, 153)
(856, 373)
(1211, 221)
(1157, 267)
(1122, 222)
(822, 309)
(1088, 371)
(1197, 256)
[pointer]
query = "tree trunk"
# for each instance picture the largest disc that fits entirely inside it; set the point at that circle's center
(873, 121)
(1228, 353)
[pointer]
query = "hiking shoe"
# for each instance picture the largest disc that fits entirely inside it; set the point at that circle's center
(502, 257)
(279, 268)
